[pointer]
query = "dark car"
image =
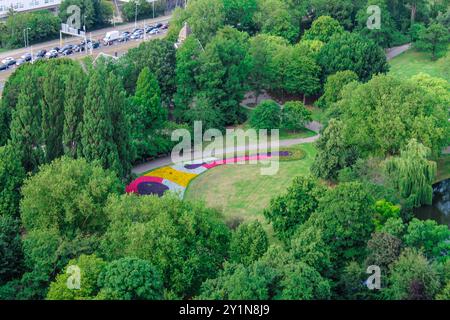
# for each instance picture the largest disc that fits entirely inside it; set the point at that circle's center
(149, 28)
(165, 26)
(12, 62)
(65, 48)
(41, 53)
(67, 52)
(27, 57)
(158, 25)
(95, 45)
(78, 48)
(3, 66)
(56, 49)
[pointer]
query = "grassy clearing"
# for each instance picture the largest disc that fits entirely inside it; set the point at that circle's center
(241, 192)
(413, 62)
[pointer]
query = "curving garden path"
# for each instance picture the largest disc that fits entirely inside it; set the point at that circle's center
(167, 161)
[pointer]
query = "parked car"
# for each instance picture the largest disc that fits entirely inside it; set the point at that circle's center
(41, 53)
(94, 45)
(52, 54)
(9, 61)
(20, 62)
(55, 49)
(149, 28)
(65, 48)
(159, 25)
(3, 66)
(67, 52)
(154, 31)
(124, 37)
(137, 34)
(165, 26)
(27, 57)
(79, 48)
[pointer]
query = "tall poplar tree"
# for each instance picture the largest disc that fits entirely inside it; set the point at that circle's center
(117, 102)
(97, 129)
(73, 111)
(26, 128)
(146, 114)
(52, 105)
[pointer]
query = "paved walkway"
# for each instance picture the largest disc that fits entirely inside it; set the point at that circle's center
(391, 53)
(166, 161)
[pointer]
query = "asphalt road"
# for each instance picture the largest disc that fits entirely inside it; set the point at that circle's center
(97, 35)
(119, 48)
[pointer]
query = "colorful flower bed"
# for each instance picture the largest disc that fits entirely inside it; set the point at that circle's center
(177, 177)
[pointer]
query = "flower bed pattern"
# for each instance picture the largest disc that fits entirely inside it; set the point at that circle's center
(177, 177)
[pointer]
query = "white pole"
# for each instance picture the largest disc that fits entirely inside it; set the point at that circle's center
(135, 16)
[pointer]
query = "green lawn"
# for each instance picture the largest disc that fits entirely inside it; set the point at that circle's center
(413, 62)
(240, 191)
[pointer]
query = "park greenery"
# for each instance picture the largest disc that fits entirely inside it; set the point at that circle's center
(71, 131)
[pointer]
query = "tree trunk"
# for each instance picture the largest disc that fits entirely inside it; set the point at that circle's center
(413, 13)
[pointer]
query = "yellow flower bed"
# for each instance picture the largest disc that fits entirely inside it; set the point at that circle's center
(181, 178)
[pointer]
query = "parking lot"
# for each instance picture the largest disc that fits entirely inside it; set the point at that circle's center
(75, 48)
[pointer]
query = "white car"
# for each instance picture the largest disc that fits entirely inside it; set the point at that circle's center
(51, 52)
(154, 31)
(8, 61)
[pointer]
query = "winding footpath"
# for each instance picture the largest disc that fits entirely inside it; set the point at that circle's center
(391, 53)
(167, 161)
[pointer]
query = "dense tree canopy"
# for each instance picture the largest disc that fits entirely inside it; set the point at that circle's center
(248, 243)
(375, 124)
(11, 258)
(412, 277)
(323, 28)
(287, 212)
(351, 51)
(90, 267)
(12, 175)
(130, 279)
(67, 195)
(267, 115)
(186, 242)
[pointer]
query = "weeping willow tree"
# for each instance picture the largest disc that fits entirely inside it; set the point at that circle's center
(412, 174)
